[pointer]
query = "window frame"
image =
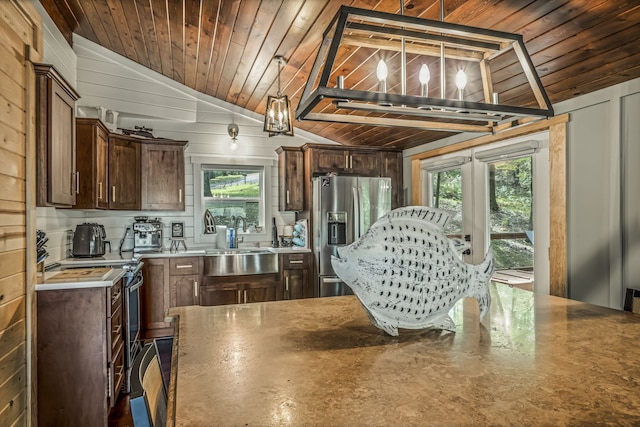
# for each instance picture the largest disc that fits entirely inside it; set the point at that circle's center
(200, 162)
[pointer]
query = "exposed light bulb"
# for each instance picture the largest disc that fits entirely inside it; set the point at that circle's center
(381, 72)
(461, 82)
(233, 144)
(461, 79)
(424, 77)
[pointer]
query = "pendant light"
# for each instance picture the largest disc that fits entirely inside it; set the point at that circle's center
(399, 95)
(278, 115)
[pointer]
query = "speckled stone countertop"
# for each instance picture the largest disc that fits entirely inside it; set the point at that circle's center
(534, 361)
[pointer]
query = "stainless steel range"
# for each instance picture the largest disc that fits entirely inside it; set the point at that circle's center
(133, 280)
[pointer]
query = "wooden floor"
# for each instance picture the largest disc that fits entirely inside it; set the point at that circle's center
(120, 415)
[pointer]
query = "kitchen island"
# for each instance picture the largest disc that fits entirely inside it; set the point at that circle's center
(534, 360)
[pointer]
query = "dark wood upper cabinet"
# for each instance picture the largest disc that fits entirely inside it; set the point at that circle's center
(162, 168)
(56, 139)
(92, 159)
(290, 178)
(124, 173)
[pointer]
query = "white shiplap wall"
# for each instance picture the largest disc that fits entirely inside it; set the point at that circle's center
(142, 97)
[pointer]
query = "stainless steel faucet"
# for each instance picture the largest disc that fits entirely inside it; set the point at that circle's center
(235, 227)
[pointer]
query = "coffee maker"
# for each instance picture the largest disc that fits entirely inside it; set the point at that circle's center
(147, 235)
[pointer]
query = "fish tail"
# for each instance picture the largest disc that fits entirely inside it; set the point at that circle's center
(482, 277)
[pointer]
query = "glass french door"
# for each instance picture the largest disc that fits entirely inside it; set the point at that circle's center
(499, 196)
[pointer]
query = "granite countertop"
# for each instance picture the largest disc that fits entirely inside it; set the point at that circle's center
(534, 360)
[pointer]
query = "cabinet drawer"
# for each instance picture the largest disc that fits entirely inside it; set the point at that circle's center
(183, 266)
(290, 261)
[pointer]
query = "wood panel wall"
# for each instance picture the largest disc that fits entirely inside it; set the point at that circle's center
(21, 35)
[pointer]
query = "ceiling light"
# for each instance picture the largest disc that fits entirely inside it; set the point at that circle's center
(278, 114)
(233, 130)
(374, 92)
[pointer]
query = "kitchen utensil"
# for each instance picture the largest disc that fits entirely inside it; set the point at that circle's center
(88, 240)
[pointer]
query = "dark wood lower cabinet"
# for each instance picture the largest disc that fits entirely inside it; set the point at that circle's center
(80, 355)
(296, 281)
(238, 289)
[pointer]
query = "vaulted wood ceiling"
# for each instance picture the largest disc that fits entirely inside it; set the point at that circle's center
(224, 48)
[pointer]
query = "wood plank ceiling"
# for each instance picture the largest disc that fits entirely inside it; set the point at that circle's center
(224, 48)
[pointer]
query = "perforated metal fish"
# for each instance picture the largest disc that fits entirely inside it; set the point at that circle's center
(408, 274)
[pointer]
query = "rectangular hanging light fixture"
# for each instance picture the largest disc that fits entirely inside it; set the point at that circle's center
(401, 71)
(278, 115)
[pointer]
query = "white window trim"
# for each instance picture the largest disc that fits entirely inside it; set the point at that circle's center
(198, 199)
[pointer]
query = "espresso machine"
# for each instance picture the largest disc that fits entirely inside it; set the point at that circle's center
(147, 235)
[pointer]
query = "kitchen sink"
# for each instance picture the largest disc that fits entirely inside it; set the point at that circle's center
(234, 262)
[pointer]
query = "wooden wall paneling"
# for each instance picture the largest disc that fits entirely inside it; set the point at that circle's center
(177, 35)
(281, 40)
(20, 30)
(161, 23)
(191, 41)
(147, 27)
(136, 36)
(224, 31)
(121, 20)
(558, 210)
(208, 28)
(296, 33)
(263, 22)
(13, 414)
(239, 39)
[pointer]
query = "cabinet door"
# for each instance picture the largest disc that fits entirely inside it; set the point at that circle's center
(183, 291)
(56, 139)
(154, 294)
(92, 156)
(364, 163)
(296, 283)
(328, 160)
(124, 174)
(219, 294)
(291, 179)
(101, 189)
(259, 292)
(391, 166)
(162, 176)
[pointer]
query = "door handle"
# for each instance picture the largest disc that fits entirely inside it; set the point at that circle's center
(100, 190)
(287, 196)
(195, 288)
(113, 193)
(299, 261)
(77, 182)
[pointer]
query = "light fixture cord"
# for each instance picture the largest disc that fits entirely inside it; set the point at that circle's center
(442, 87)
(279, 63)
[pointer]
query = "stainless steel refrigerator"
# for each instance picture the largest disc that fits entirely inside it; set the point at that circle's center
(344, 207)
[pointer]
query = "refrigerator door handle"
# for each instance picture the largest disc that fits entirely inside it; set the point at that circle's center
(356, 213)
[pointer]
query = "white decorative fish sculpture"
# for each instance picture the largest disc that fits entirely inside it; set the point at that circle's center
(408, 274)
